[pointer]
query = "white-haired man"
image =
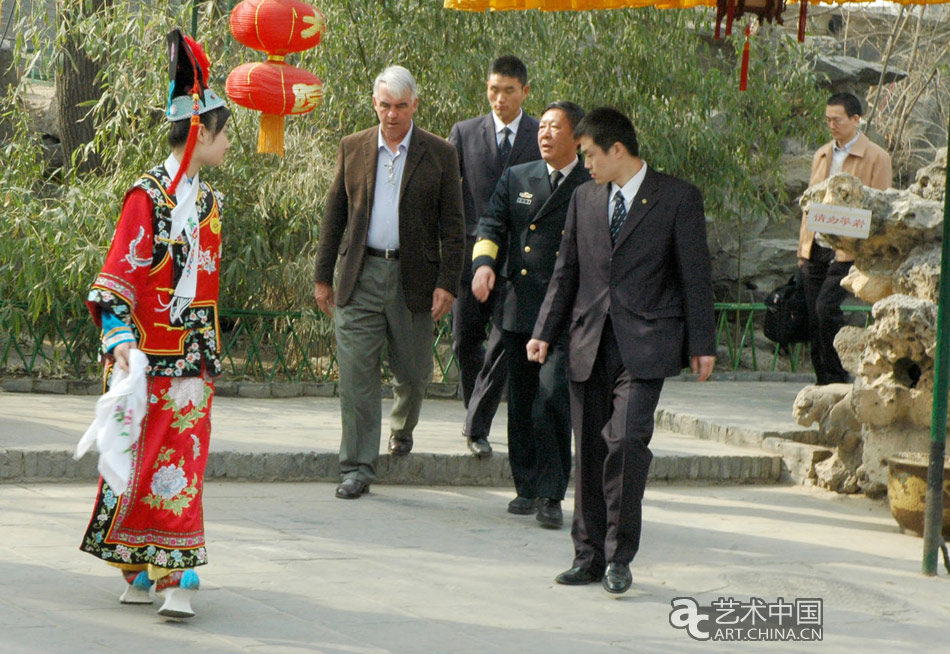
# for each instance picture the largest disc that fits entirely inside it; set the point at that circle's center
(394, 218)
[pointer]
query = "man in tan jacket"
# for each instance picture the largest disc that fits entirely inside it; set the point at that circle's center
(852, 152)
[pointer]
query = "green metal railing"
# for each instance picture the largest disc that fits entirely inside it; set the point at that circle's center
(738, 330)
(287, 346)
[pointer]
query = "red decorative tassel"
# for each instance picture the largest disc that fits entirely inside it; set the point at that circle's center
(802, 17)
(744, 71)
(189, 144)
(730, 13)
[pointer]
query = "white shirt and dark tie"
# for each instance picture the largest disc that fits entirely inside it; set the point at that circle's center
(557, 175)
(383, 233)
(621, 199)
(506, 139)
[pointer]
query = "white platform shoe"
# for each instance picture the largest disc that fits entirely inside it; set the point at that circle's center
(177, 589)
(137, 590)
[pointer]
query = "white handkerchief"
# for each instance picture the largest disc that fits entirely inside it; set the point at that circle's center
(118, 423)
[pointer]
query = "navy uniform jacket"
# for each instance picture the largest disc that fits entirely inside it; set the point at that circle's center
(524, 214)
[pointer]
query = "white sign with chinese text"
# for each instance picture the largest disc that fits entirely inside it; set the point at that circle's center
(843, 221)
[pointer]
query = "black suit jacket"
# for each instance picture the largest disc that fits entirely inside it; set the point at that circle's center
(430, 217)
(475, 141)
(525, 214)
(654, 283)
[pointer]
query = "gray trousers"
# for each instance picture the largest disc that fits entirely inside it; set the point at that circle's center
(377, 315)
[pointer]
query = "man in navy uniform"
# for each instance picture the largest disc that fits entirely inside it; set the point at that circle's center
(527, 212)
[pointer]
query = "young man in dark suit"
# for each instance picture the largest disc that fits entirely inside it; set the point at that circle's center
(486, 146)
(394, 221)
(632, 285)
(527, 212)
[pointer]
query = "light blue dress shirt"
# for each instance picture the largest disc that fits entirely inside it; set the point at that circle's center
(384, 220)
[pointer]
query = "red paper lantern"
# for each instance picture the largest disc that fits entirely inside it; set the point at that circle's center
(273, 87)
(253, 86)
(277, 27)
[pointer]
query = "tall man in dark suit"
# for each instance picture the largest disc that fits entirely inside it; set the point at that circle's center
(527, 212)
(394, 219)
(487, 145)
(632, 284)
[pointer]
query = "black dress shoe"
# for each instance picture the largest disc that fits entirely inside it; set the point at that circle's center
(617, 579)
(480, 447)
(577, 576)
(549, 513)
(351, 489)
(522, 506)
(400, 445)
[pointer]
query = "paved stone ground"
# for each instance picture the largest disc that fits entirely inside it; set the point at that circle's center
(415, 570)
(298, 438)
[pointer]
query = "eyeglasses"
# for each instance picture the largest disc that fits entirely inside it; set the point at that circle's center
(836, 121)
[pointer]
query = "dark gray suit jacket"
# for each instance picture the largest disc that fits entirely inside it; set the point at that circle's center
(654, 283)
(474, 140)
(525, 214)
(431, 239)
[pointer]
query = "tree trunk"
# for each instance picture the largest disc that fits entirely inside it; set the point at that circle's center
(76, 84)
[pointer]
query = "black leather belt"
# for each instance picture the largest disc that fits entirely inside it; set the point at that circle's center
(382, 254)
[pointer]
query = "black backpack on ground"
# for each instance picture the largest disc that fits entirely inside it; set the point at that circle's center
(786, 314)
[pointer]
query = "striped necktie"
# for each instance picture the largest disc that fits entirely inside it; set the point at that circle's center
(619, 215)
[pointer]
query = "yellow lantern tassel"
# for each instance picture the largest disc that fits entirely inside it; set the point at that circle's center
(271, 136)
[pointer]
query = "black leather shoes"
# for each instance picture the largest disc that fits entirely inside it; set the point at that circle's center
(522, 506)
(577, 576)
(549, 513)
(400, 445)
(617, 579)
(351, 489)
(479, 447)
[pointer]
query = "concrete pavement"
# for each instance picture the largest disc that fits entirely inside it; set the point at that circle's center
(413, 570)
(717, 431)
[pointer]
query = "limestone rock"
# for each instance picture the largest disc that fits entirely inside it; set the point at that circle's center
(896, 368)
(900, 221)
(796, 172)
(833, 474)
(843, 73)
(830, 407)
(868, 287)
(850, 342)
(919, 275)
(931, 180)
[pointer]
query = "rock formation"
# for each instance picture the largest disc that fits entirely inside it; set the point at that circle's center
(897, 268)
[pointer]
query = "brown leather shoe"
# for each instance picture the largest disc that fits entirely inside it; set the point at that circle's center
(351, 489)
(400, 445)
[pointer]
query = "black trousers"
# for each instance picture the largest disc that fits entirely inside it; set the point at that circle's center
(823, 293)
(539, 420)
(612, 416)
(483, 367)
